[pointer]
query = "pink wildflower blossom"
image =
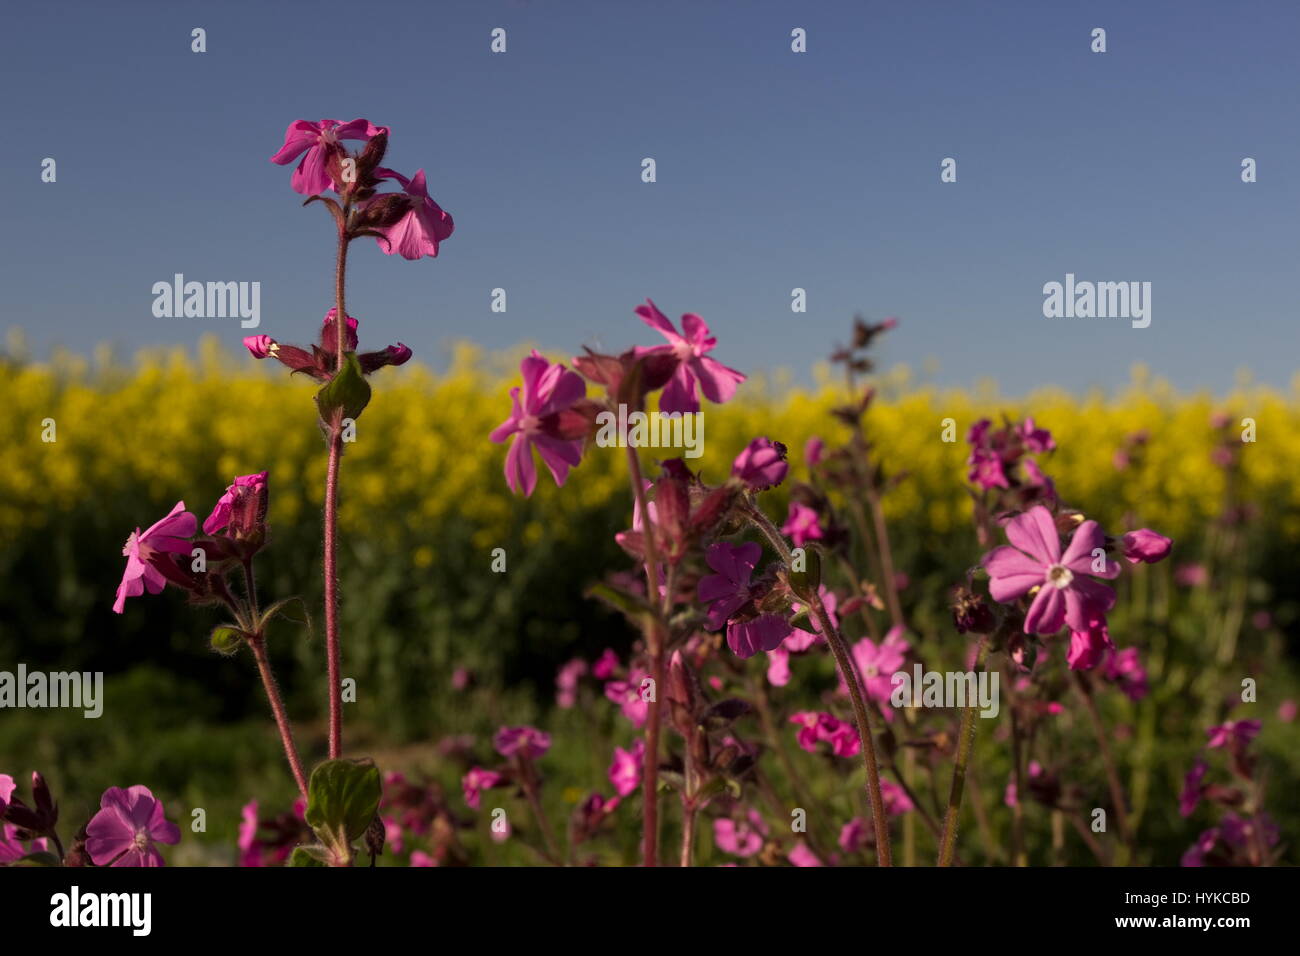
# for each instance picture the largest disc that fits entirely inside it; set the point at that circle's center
(145, 549)
(127, 826)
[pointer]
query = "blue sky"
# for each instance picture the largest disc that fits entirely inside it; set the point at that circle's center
(775, 170)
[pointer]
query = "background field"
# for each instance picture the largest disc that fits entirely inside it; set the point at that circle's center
(424, 504)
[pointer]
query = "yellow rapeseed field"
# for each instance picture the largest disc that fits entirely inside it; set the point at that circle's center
(172, 425)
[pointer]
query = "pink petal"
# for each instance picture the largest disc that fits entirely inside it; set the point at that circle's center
(1034, 532)
(521, 473)
(1047, 613)
(1011, 573)
(716, 380)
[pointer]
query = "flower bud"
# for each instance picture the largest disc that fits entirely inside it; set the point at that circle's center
(260, 346)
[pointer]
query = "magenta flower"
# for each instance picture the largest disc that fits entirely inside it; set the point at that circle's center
(260, 346)
(1089, 646)
(625, 771)
(856, 835)
(566, 682)
(420, 858)
(1146, 546)
(895, 799)
(761, 465)
(549, 391)
(476, 781)
(7, 788)
(1124, 668)
(417, 233)
(249, 853)
(986, 470)
(242, 507)
(818, 728)
(145, 549)
(1036, 440)
(605, 665)
(1065, 595)
(628, 694)
(802, 525)
(319, 141)
(329, 337)
(801, 855)
(728, 591)
(1233, 734)
(1193, 788)
(126, 827)
(814, 451)
(717, 382)
(877, 666)
(740, 837)
(529, 743)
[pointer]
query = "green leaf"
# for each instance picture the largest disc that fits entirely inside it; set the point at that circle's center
(805, 583)
(39, 859)
(342, 798)
(278, 610)
(347, 391)
(307, 856)
(226, 639)
(633, 606)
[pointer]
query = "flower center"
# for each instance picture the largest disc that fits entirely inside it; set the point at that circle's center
(1060, 575)
(871, 670)
(530, 423)
(141, 839)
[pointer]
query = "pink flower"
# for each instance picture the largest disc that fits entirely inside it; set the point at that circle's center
(1146, 546)
(1233, 734)
(417, 233)
(249, 854)
(1193, 788)
(1125, 669)
(126, 827)
(476, 781)
(420, 858)
(393, 834)
(259, 345)
(855, 836)
(319, 141)
(144, 550)
(877, 666)
(740, 837)
(605, 665)
(802, 525)
(7, 788)
(895, 798)
(242, 507)
(728, 591)
(1286, 711)
(628, 695)
(717, 382)
(761, 465)
(549, 391)
(529, 743)
(625, 771)
(1089, 645)
(1191, 575)
(816, 728)
(566, 682)
(1036, 440)
(1064, 595)
(814, 451)
(329, 337)
(986, 470)
(802, 856)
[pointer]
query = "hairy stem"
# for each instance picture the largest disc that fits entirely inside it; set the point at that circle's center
(965, 740)
(332, 649)
(258, 646)
(655, 646)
